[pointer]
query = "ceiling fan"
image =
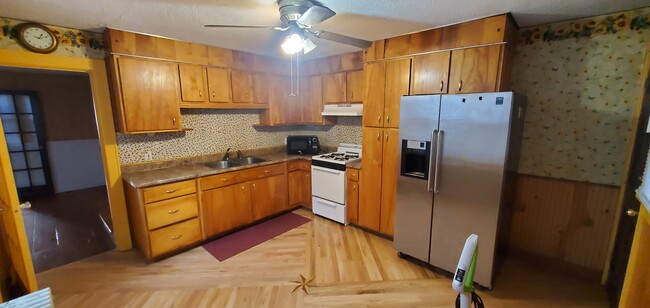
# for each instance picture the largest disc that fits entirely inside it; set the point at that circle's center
(298, 17)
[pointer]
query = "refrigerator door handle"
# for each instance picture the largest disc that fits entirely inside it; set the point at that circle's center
(437, 172)
(434, 143)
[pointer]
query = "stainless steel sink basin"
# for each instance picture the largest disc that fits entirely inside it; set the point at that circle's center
(222, 164)
(250, 160)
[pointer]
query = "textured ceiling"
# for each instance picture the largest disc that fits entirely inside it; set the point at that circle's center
(367, 19)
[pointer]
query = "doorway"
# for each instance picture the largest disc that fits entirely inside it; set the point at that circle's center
(51, 134)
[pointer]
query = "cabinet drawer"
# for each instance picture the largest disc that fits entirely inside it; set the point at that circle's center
(168, 191)
(353, 174)
(220, 180)
(175, 236)
(262, 172)
(300, 164)
(169, 211)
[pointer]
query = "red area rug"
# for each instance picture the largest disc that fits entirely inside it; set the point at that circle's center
(233, 244)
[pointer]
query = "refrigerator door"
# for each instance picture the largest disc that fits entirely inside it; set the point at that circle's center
(413, 204)
(473, 137)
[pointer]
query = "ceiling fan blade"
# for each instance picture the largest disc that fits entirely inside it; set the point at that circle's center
(343, 39)
(243, 27)
(315, 15)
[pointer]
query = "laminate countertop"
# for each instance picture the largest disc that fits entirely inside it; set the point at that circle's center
(355, 165)
(191, 171)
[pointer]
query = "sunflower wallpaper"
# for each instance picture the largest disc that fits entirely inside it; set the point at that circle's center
(582, 79)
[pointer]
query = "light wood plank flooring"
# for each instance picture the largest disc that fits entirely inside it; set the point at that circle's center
(351, 268)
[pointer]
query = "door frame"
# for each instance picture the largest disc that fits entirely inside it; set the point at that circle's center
(96, 70)
(645, 74)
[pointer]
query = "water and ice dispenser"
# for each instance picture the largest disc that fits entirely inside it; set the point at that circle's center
(415, 159)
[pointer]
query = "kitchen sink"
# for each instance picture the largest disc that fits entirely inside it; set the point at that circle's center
(250, 160)
(222, 164)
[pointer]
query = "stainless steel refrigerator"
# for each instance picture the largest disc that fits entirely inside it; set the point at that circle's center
(457, 155)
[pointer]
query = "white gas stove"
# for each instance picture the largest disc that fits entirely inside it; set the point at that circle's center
(328, 181)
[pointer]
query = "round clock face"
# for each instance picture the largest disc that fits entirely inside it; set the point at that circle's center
(38, 39)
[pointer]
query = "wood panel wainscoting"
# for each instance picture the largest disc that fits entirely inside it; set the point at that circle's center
(565, 222)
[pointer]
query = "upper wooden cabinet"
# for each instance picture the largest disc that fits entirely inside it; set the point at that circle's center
(334, 88)
(242, 86)
(386, 83)
(430, 73)
(475, 69)
(192, 78)
(219, 90)
(146, 94)
(260, 88)
(354, 87)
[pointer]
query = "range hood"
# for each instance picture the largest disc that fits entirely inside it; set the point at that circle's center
(343, 110)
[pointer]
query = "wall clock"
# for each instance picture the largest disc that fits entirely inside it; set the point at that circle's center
(36, 37)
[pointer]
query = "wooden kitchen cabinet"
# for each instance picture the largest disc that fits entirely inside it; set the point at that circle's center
(140, 105)
(378, 184)
(373, 97)
(311, 97)
(334, 88)
(219, 86)
(242, 86)
(226, 208)
(269, 196)
(475, 70)
(352, 195)
(385, 84)
(192, 79)
(431, 73)
(260, 88)
(299, 183)
(370, 192)
(354, 86)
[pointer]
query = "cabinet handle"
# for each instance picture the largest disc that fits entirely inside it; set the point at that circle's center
(386, 137)
(460, 85)
(213, 95)
(224, 180)
(267, 171)
(387, 119)
(175, 237)
(174, 120)
(354, 186)
(243, 188)
(170, 191)
(254, 188)
(379, 119)
(307, 175)
(378, 137)
(173, 211)
(200, 93)
(442, 85)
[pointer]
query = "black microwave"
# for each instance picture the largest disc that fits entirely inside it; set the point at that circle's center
(302, 145)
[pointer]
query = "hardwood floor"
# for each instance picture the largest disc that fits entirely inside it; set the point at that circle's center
(350, 268)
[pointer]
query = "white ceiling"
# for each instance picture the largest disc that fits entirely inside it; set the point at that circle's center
(367, 19)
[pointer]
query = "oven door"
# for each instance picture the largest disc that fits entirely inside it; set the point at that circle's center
(328, 184)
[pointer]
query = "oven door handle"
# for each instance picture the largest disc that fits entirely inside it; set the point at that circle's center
(326, 170)
(325, 203)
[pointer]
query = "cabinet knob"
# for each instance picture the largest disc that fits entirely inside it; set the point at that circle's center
(442, 85)
(254, 188)
(631, 213)
(174, 120)
(354, 186)
(387, 119)
(224, 180)
(243, 188)
(386, 137)
(213, 95)
(460, 85)
(173, 211)
(378, 137)
(200, 93)
(379, 119)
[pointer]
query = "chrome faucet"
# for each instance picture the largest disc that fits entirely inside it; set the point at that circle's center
(227, 155)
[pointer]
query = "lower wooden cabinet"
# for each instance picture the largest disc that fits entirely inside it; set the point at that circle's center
(299, 182)
(269, 196)
(175, 236)
(226, 208)
(352, 195)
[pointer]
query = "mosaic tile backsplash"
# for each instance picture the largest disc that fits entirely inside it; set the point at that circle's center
(216, 130)
(582, 90)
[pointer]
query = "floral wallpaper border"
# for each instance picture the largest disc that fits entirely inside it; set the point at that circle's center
(72, 42)
(636, 20)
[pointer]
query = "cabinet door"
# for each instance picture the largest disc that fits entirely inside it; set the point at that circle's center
(430, 73)
(260, 88)
(334, 88)
(398, 77)
(192, 82)
(306, 192)
(226, 208)
(295, 185)
(474, 70)
(149, 105)
(373, 97)
(219, 85)
(354, 87)
(269, 196)
(370, 192)
(312, 99)
(352, 201)
(242, 86)
(389, 173)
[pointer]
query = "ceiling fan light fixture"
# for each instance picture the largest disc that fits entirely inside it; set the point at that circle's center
(292, 43)
(308, 45)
